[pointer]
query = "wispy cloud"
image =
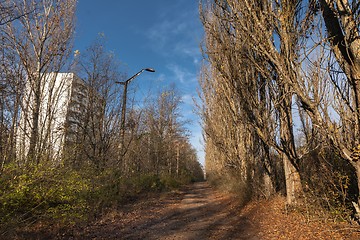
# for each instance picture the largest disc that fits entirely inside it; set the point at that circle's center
(188, 99)
(187, 49)
(182, 74)
(179, 36)
(161, 77)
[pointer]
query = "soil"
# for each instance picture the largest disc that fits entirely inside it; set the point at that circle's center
(199, 212)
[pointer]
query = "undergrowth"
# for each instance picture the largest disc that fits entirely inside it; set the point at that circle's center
(66, 196)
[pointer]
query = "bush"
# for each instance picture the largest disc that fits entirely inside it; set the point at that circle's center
(330, 185)
(42, 194)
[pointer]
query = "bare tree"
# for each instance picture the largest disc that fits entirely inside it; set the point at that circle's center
(242, 34)
(9, 11)
(41, 41)
(341, 18)
(97, 137)
(11, 83)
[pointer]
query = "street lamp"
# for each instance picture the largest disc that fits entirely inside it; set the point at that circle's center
(123, 110)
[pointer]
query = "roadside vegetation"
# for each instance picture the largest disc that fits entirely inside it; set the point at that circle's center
(63, 197)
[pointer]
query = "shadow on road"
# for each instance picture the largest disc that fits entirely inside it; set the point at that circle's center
(201, 214)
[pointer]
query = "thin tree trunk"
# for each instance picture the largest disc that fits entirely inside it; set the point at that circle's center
(34, 134)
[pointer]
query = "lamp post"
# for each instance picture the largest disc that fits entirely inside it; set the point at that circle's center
(123, 110)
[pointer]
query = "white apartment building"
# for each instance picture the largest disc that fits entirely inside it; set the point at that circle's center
(63, 112)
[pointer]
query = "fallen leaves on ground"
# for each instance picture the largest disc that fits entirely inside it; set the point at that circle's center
(275, 221)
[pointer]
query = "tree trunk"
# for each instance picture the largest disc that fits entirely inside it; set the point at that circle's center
(357, 106)
(269, 176)
(292, 180)
(357, 168)
(34, 134)
(357, 203)
(289, 154)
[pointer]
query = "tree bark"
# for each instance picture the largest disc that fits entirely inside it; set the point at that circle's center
(34, 134)
(289, 155)
(293, 181)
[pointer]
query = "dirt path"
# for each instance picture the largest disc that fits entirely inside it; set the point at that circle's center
(197, 212)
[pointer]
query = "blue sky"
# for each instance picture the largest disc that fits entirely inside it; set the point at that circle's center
(160, 34)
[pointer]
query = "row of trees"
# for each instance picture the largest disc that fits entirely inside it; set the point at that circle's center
(281, 92)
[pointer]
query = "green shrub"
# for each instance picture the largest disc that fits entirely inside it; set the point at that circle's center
(148, 183)
(42, 193)
(170, 182)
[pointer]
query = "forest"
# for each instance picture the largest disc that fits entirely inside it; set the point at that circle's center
(67, 153)
(281, 113)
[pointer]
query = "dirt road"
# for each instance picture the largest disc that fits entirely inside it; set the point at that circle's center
(197, 212)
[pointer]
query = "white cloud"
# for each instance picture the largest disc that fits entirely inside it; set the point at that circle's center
(179, 36)
(181, 74)
(188, 99)
(161, 77)
(190, 50)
